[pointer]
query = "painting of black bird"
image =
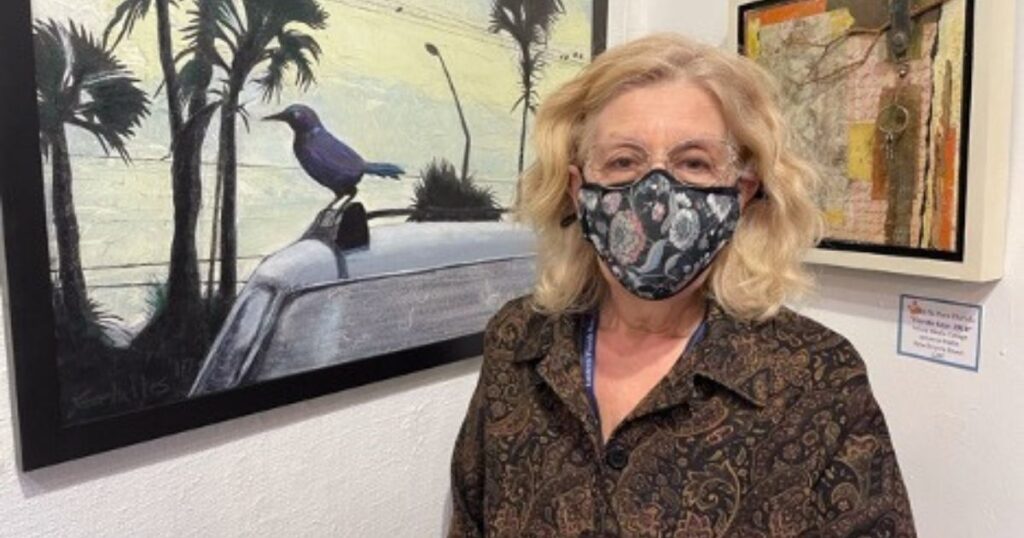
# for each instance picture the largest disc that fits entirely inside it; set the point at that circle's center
(328, 160)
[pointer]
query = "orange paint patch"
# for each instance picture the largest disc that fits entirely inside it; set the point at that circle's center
(791, 11)
(947, 205)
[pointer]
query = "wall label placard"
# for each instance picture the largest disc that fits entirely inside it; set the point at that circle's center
(937, 330)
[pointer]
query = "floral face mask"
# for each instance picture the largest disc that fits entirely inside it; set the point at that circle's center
(656, 235)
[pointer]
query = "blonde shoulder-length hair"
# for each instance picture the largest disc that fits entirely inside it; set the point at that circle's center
(762, 265)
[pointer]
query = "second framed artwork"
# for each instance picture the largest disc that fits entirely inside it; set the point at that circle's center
(905, 107)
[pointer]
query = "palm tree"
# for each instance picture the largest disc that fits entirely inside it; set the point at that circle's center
(205, 22)
(126, 15)
(262, 33)
(82, 84)
(182, 314)
(528, 23)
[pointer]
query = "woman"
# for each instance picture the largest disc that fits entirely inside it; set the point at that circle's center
(653, 385)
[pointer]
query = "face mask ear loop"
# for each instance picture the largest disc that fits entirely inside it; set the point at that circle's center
(749, 174)
(573, 217)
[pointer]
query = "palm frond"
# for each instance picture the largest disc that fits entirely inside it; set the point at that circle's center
(506, 17)
(243, 113)
(107, 138)
(83, 84)
(51, 73)
(210, 22)
(125, 16)
(540, 16)
(519, 101)
(194, 78)
(277, 14)
(156, 297)
(528, 22)
(294, 49)
(263, 33)
(111, 95)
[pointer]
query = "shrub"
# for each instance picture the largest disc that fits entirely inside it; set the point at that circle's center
(441, 195)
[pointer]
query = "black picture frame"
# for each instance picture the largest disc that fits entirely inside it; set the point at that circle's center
(42, 440)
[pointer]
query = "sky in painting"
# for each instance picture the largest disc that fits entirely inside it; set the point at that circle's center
(377, 89)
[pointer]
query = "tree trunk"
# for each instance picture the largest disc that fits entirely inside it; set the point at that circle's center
(211, 268)
(171, 88)
(227, 173)
(184, 315)
(65, 223)
(522, 133)
(180, 328)
(526, 71)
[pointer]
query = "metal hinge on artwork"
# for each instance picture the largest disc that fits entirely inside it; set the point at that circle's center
(900, 28)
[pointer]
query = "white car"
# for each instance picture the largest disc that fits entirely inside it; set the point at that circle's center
(315, 304)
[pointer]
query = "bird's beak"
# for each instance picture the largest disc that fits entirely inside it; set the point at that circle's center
(280, 116)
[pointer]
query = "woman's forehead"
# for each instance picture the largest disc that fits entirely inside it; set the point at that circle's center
(689, 140)
(663, 113)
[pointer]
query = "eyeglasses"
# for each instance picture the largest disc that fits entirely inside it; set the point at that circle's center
(697, 162)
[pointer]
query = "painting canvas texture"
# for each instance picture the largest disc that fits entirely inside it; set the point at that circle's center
(240, 191)
(876, 92)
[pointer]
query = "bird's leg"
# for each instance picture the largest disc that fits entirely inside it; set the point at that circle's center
(344, 205)
(346, 199)
(349, 196)
(324, 217)
(334, 203)
(341, 209)
(337, 209)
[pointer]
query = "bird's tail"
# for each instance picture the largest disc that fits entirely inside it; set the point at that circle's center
(383, 170)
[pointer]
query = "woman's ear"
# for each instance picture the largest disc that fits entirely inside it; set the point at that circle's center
(750, 187)
(575, 182)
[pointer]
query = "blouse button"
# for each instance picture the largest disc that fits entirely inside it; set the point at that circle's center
(616, 456)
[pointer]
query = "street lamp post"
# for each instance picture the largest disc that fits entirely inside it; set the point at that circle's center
(458, 106)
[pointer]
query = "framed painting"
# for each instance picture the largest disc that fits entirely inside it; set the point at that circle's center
(215, 207)
(905, 108)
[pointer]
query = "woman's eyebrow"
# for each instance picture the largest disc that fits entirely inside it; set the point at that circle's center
(686, 145)
(631, 144)
(616, 138)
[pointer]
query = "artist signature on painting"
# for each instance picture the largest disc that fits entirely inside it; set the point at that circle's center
(137, 391)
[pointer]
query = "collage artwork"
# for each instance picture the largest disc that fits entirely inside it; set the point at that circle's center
(883, 111)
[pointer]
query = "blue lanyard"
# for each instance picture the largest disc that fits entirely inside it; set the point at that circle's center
(589, 355)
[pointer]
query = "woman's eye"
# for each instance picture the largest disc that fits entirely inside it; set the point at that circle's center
(695, 165)
(622, 162)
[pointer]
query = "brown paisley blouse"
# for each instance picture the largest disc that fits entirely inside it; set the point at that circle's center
(763, 429)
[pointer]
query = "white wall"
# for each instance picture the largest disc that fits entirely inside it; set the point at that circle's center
(959, 435)
(373, 461)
